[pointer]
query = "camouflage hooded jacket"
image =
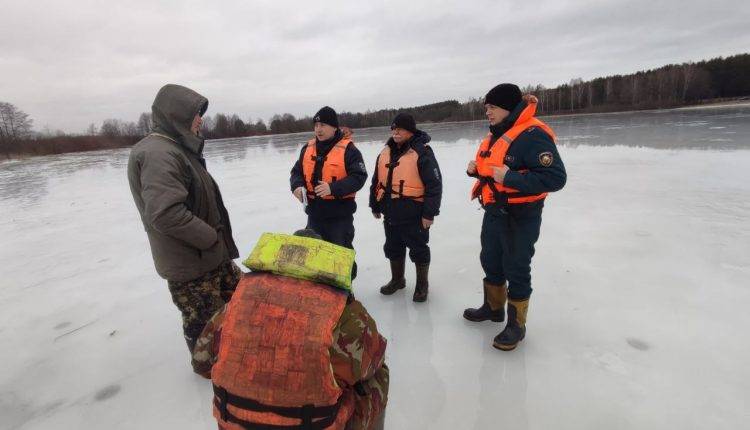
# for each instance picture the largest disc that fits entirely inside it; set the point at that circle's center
(357, 359)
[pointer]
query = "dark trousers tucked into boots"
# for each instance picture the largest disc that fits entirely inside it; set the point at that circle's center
(399, 237)
(508, 237)
(410, 235)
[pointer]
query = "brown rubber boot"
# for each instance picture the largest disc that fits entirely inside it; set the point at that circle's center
(515, 330)
(493, 308)
(420, 290)
(397, 281)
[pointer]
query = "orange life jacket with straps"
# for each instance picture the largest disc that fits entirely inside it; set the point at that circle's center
(273, 366)
(334, 166)
(493, 155)
(404, 176)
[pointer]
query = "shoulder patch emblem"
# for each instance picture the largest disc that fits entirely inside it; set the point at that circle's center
(546, 158)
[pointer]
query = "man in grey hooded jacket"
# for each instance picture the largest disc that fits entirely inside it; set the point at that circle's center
(182, 210)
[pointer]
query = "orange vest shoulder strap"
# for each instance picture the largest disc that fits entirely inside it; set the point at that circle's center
(310, 147)
(385, 154)
(308, 163)
(384, 160)
(338, 152)
(525, 121)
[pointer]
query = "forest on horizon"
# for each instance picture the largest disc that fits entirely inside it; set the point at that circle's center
(669, 86)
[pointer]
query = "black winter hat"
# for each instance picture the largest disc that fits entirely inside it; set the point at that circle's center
(405, 121)
(506, 96)
(327, 115)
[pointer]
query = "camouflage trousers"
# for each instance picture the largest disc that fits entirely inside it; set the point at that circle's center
(370, 402)
(198, 300)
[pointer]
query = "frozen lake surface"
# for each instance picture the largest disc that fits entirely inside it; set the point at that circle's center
(637, 321)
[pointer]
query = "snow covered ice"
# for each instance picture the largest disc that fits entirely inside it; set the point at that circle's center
(638, 318)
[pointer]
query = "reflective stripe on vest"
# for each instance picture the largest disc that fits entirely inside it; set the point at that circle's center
(488, 156)
(334, 166)
(273, 365)
(405, 180)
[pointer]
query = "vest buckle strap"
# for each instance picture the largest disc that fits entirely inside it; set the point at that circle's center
(225, 398)
(326, 415)
(221, 395)
(307, 416)
(393, 164)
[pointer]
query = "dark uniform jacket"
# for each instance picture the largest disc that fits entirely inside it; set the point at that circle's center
(526, 153)
(356, 177)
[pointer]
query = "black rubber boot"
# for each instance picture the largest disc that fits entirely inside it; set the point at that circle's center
(494, 297)
(515, 330)
(421, 289)
(397, 281)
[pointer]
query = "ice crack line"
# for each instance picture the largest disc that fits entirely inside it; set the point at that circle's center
(75, 329)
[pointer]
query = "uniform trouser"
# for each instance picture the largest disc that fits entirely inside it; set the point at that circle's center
(409, 235)
(507, 248)
(198, 300)
(335, 230)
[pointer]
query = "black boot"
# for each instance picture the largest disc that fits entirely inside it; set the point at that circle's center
(397, 281)
(493, 308)
(420, 290)
(515, 330)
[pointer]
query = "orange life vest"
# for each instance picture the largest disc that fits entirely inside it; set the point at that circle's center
(405, 179)
(485, 188)
(334, 166)
(273, 365)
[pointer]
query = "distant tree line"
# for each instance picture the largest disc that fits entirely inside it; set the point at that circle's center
(668, 86)
(450, 110)
(222, 126)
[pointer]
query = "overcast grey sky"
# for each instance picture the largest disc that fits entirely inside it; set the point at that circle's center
(72, 63)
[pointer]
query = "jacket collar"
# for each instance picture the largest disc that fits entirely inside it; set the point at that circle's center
(521, 113)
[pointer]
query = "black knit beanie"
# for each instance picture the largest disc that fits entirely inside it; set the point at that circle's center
(405, 121)
(327, 115)
(506, 96)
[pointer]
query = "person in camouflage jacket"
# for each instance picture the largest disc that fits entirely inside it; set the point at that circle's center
(357, 357)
